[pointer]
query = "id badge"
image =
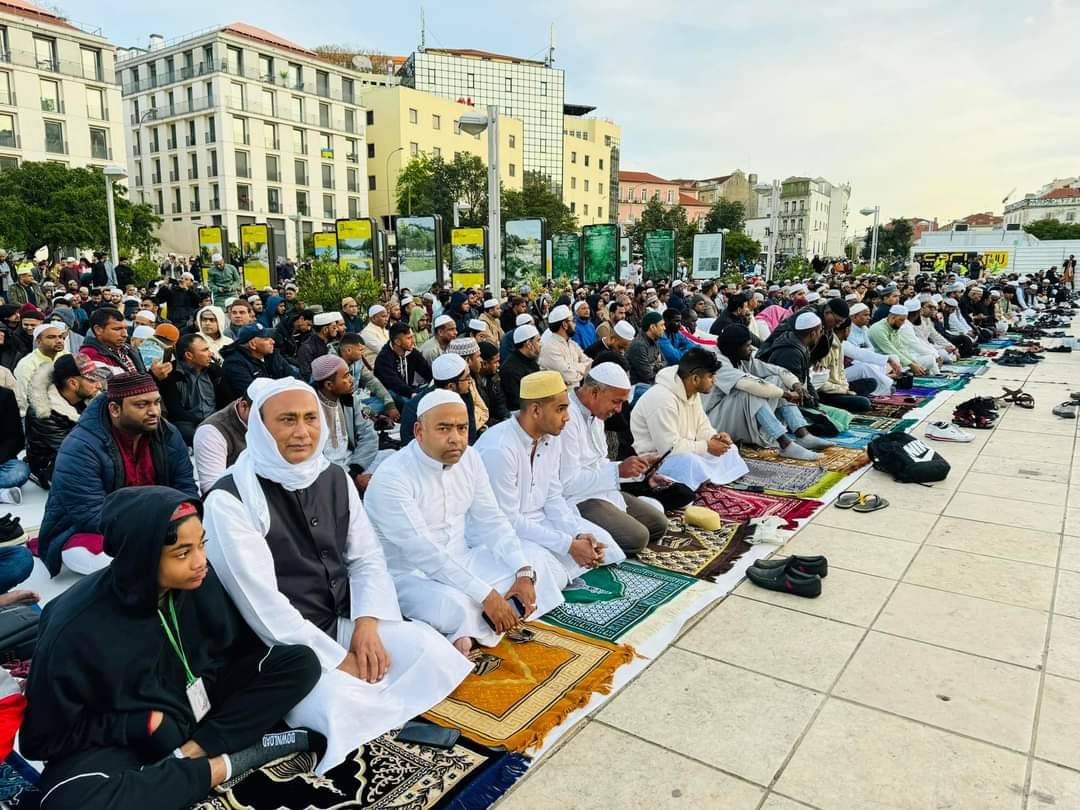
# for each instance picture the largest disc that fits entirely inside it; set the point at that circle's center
(198, 700)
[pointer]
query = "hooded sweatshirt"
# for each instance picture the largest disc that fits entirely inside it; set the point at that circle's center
(269, 317)
(102, 662)
(216, 344)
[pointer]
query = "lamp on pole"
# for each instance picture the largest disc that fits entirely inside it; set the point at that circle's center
(389, 209)
(873, 249)
(473, 123)
(112, 173)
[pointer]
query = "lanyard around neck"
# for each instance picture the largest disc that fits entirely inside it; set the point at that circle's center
(176, 641)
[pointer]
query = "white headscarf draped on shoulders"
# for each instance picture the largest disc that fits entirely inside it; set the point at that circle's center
(262, 459)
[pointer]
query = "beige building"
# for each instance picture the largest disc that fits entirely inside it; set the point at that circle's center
(590, 166)
(403, 123)
(734, 187)
(59, 98)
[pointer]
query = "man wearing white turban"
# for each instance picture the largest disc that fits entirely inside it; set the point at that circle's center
(294, 548)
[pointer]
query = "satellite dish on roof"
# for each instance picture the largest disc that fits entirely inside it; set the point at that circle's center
(361, 62)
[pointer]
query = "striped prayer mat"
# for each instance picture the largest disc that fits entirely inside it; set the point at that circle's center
(882, 424)
(788, 478)
(740, 506)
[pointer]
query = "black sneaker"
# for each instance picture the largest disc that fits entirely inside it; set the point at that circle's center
(11, 531)
(804, 565)
(785, 581)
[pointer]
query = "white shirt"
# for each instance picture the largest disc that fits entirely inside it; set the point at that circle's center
(374, 337)
(423, 509)
(585, 469)
(527, 486)
(564, 356)
(211, 454)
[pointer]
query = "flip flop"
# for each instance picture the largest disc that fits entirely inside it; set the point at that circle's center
(870, 503)
(847, 499)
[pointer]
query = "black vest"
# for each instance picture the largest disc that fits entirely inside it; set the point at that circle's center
(308, 532)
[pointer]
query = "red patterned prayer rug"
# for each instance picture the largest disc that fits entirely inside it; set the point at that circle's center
(739, 506)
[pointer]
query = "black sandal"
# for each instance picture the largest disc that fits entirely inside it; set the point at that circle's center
(870, 503)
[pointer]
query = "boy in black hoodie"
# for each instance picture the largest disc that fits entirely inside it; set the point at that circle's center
(147, 688)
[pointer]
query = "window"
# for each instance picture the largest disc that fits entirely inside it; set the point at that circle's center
(573, 207)
(354, 207)
(99, 144)
(299, 141)
(269, 103)
(7, 131)
(431, 75)
(471, 79)
(243, 164)
(586, 185)
(322, 83)
(371, 150)
(296, 73)
(586, 160)
(54, 138)
(573, 157)
(644, 195)
(177, 203)
(509, 85)
(6, 96)
(601, 164)
(371, 182)
(513, 170)
(236, 95)
(327, 175)
(348, 92)
(45, 52)
(300, 172)
(369, 117)
(324, 115)
(328, 206)
(600, 189)
(436, 122)
(414, 116)
(243, 196)
(302, 203)
(350, 120)
(213, 170)
(352, 180)
(273, 200)
(573, 183)
(270, 139)
(240, 130)
(436, 152)
(599, 212)
(670, 196)
(236, 60)
(543, 88)
(193, 172)
(266, 67)
(352, 151)
(513, 142)
(50, 96)
(414, 149)
(296, 104)
(585, 209)
(273, 169)
(91, 64)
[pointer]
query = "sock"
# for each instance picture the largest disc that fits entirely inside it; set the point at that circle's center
(270, 747)
(812, 442)
(797, 451)
(228, 767)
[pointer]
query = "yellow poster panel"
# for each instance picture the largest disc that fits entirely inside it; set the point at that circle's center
(255, 247)
(354, 246)
(468, 258)
(211, 241)
(325, 244)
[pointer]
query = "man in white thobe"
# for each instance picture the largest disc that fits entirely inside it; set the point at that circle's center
(454, 556)
(293, 546)
(558, 351)
(375, 334)
(522, 457)
(865, 362)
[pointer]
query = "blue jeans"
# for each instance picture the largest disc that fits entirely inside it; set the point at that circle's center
(14, 473)
(374, 404)
(790, 419)
(16, 563)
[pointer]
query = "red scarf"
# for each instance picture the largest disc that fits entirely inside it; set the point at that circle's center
(138, 463)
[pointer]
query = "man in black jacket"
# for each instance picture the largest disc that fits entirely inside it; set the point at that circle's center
(791, 350)
(293, 330)
(643, 355)
(196, 388)
(318, 342)
(398, 365)
(490, 386)
(521, 363)
(180, 299)
(251, 356)
(57, 397)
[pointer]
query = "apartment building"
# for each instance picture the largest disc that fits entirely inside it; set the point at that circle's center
(404, 123)
(1059, 199)
(812, 218)
(235, 125)
(637, 188)
(59, 100)
(590, 166)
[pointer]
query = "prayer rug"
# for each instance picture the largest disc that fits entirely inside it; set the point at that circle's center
(740, 506)
(818, 489)
(916, 391)
(697, 552)
(19, 784)
(855, 437)
(899, 399)
(883, 410)
(381, 775)
(616, 598)
(941, 383)
(788, 478)
(882, 424)
(837, 459)
(535, 686)
(970, 361)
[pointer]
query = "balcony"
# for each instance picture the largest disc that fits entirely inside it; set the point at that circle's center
(52, 105)
(210, 137)
(352, 157)
(192, 174)
(61, 66)
(176, 108)
(245, 204)
(174, 177)
(189, 140)
(201, 69)
(136, 150)
(310, 119)
(212, 171)
(170, 144)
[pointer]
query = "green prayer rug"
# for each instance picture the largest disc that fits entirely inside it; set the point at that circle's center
(941, 383)
(616, 598)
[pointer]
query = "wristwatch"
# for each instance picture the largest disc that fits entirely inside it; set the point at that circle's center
(527, 571)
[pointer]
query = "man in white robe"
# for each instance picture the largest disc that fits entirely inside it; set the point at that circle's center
(454, 556)
(378, 671)
(867, 364)
(522, 457)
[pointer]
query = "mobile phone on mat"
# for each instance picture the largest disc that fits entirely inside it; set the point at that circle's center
(428, 734)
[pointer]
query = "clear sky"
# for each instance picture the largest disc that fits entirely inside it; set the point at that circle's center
(927, 107)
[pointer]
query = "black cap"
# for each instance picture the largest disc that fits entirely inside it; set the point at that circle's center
(64, 369)
(488, 350)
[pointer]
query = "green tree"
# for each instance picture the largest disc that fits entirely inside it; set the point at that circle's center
(431, 185)
(738, 245)
(49, 205)
(536, 199)
(725, 214)
(325, 283)
(896, 236)
(1053, 229)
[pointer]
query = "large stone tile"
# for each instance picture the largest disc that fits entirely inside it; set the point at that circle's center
(956, 691)
(571, 777)
(994, 509)
(1014, 488)
(1052, 788)
(1072, 522)
(1064, 657)
(893, 522)
(1025, 545)
(1059, 722)
(1070, 553)
(775, 802)
(852, 550)
(715, 713)
(786, 644)
(1067, 599)
(991, 629)
(1029, 446)
(1023, 421)
(847, 596)
(854, 758)
(1023, 468)
(1017, 583)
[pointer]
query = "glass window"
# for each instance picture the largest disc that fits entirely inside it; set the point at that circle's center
(436, 122)
(670, 196)
(300, 172)
(213, 171)
(269, 103)
(601, 164)
(352, 179)
(95, 102)
(273, 171)
(54, 137)
(513, 142)
(299, 141)
(348, 91)
(236, 95)
(266, 67)
(543, 88)
(328, 206)
(369, 117)
(414, 149)
(513, 170)
(371, 182)
(297, 106)
(270, 138)
(350, 120)
(436, 152)
(236, 60)
(5, 89)
(573, 183)
(471, 79)
(509, 85)
(573, 157)
(600, 212)
(99, 144)
(413, 116)
(91, 64)
(324, 114)
(7, 131)
(371, 150)
(586, 185)
(354, 207)
(644, 195)
(45, 51)
(327, 175)
(586, 160)
(243, 195)
(585, 209)
(273, 200)
(243, 164)
(50, 96)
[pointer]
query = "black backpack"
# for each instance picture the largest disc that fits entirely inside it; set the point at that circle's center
(907, 459)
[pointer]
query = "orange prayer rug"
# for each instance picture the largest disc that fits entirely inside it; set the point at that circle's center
(534, 687)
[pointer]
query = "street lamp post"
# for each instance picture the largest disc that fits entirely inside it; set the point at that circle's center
(112, 173)
(389, 209)
(474, 123)
(873, 249)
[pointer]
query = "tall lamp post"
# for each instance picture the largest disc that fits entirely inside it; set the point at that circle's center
(474, 123)
(112, 173)
(389, 209)
(873, 249)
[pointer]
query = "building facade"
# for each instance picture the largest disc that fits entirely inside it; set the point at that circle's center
(985, 221)
(1059, 199)
(59, 97)
(735, 187)
(404, 123)
(234, 126)
(590, 166)
(812, 218)
(525, 89)
(637, 188)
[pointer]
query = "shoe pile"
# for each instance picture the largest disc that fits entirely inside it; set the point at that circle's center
(1011, 357)
(979, 412)
(800, 576)
(10, 528)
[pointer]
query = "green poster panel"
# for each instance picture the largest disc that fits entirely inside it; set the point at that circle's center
(659, 255)
(419, 248)
(601, 249)
(566, 256)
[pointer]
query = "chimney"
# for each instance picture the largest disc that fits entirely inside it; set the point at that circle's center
(157, 42)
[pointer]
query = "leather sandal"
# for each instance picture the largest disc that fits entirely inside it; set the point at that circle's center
(1019, 397)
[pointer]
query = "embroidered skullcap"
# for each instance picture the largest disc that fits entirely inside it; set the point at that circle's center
(524, 333)
(625, 330)
(441, 321)
(440, 396)
(912, 305)
(523, 319)
(463, 346)
(898, 309)
(42, 328)
(491, 302)
(477, 325)
(855, 309)
(541, 384)
(325, 367)
(406, 299)
(832, 293)
(448, 367)
(142, 331)
(375, 309)
(806, 320)
(611, 374)
(811, 297)
(559, 314)
(122, 386)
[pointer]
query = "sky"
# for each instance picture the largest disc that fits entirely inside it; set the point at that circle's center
(927, 108)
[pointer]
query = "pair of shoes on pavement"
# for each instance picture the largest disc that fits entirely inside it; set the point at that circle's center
(796, 575)
(10, 528)
(945, 432)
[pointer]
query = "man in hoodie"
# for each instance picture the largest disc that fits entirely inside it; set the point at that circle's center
(58, 394)
(673, 343)
(210, 322)
(120, 441)
(148, 689)
(584, 329)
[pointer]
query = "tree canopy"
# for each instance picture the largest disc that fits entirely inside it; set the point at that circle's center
(725, 214)
(49, 205)
(896, 236)
(656, 216)
(536, 199)
(1053, 229)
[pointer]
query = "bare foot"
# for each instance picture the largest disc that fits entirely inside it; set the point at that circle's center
(464, 645)
(19, 598)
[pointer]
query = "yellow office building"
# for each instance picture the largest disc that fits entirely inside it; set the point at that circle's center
(402, 123)
(590, 166)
